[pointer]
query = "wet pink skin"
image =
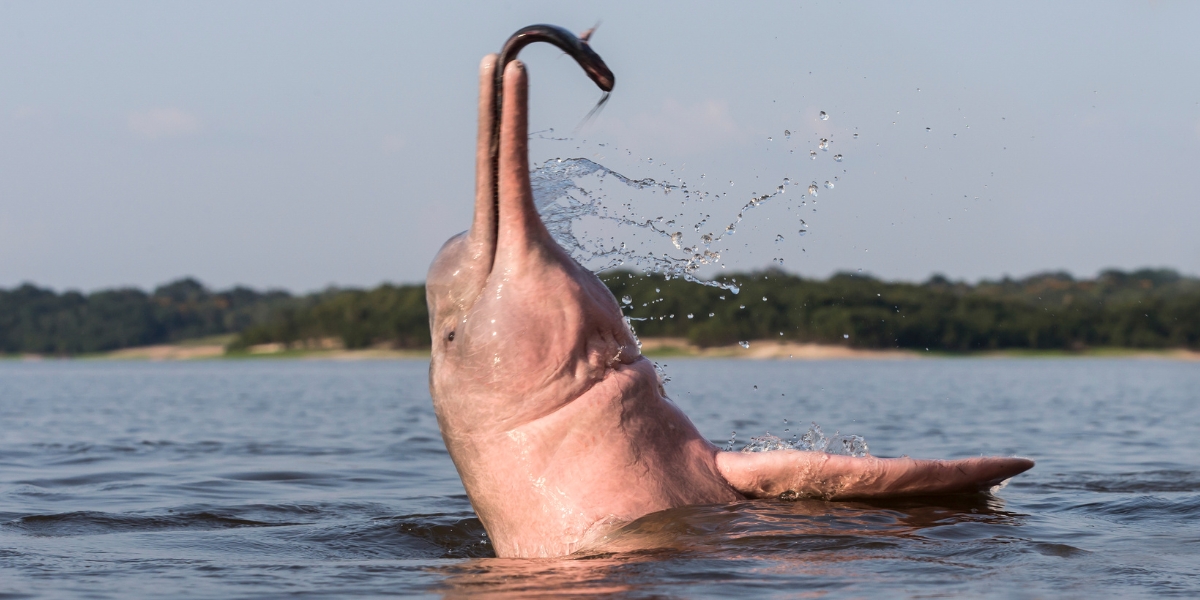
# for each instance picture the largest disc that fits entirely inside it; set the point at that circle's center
(557, 425)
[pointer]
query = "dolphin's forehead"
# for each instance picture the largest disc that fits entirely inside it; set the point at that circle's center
(454, 280)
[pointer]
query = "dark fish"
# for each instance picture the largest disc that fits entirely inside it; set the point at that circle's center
(576, 47)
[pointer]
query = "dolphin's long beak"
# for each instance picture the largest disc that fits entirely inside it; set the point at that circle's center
(518, 224)
(505, 219)
(481, 239)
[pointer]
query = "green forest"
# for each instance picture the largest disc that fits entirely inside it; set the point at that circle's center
(40, 321)
(1142, 309)
(1051, 311)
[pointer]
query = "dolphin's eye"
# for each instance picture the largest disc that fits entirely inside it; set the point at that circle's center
(450, 337)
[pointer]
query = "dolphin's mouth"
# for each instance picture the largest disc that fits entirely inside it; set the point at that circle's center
(575, 46)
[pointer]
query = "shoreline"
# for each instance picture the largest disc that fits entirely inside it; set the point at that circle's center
(653, 348)
(776, 350)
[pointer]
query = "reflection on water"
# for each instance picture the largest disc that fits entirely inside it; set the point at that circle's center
(807, 524)
(729, 543)
(251, 479)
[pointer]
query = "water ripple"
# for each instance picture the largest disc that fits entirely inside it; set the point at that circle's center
(219, 480)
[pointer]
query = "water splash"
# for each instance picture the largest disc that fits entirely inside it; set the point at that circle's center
(569, 194)
(813, 440)
(661, 372)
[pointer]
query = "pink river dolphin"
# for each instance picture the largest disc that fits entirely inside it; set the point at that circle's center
(556, 423)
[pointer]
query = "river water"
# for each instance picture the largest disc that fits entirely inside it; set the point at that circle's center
(265, 478)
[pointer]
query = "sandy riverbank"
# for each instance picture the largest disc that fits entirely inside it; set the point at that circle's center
(773, 349)
(214, 349)
(769, 349)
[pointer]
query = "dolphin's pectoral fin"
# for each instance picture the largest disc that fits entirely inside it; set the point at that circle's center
(793, 474)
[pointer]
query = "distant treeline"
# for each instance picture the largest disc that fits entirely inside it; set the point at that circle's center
(392, 315)
(1141, 309)
(41, 321)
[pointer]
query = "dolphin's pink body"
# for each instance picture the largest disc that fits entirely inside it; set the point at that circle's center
(557, 425)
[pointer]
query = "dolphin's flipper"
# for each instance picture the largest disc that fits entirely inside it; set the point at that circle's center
(798, 474)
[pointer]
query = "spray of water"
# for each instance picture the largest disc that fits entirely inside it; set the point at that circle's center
(813, 440)
(571, 197)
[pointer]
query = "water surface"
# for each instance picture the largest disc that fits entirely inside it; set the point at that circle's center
(298, 478)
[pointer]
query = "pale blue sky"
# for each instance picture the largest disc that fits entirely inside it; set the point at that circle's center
(298, 144)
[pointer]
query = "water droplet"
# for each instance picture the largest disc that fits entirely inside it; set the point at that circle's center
(770, 139)
(764, 298)
(824, 116)
(730, 183)
(824, 145)
(626, 300)
(927, 129)
(812, 189)
(845, 336)
(712, 314)
(812, 154)
(837, 157)
(690, 315)
(778, 238)
(829, 185)
(706, 239)
(677, 237)
(744, 344)
(856, 136)
(657, 291)
(787, 134)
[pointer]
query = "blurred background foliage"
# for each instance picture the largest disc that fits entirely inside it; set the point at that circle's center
(41, 321)
(1143, 309)
(1051, 311)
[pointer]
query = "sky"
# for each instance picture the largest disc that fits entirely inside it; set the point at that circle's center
(303, 144)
